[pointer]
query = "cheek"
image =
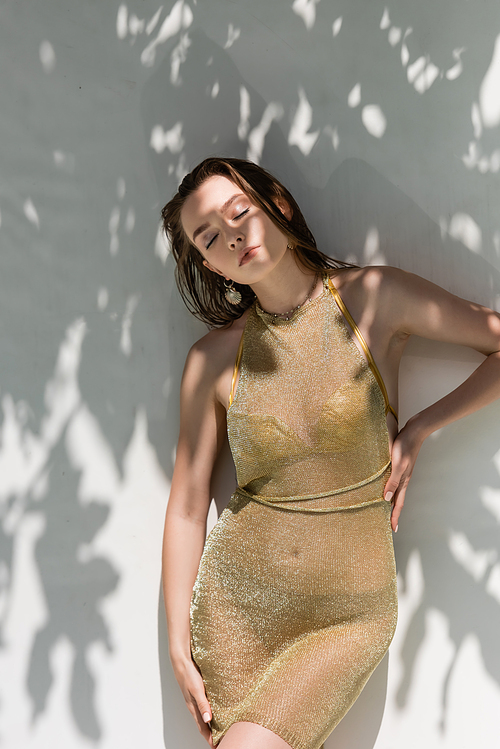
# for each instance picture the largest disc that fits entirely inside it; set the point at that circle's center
(267, 229)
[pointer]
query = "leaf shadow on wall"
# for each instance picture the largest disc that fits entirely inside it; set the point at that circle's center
(73, 588)
(355, 200)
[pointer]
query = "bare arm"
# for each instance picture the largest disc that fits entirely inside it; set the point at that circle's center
(429, 311)
(201, 432)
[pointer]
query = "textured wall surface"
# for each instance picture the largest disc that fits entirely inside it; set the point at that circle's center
(384, 121)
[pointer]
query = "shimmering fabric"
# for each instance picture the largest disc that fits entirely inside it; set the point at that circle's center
(295, 602)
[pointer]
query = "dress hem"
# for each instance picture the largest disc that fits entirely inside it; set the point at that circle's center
(276, 727)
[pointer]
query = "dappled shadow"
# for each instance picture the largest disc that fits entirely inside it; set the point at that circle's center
(361, 215)
(74, 588)
(375, 118)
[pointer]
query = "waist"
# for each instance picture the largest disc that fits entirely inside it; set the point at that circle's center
(360, 494)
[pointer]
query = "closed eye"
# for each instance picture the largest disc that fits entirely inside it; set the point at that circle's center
(241, 214)
(212, 240)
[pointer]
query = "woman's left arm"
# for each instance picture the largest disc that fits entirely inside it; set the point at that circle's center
(429, 311)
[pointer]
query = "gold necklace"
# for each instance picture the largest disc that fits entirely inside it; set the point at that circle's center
(287, 315)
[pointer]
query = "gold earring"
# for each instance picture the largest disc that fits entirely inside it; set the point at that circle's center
(232, 295)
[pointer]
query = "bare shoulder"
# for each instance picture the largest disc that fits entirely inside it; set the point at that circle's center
(406, 304)
(211, 358)
(374, 293)
(216, 346)
(373, 280)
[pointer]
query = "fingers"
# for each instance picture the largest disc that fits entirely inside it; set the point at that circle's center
(204, 710)
(200, 709)
(397, 507)
(203, 726)
(395, 488)
(391, 487)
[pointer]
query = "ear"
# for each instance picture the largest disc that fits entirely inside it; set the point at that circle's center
(284, 207)
(215, 270)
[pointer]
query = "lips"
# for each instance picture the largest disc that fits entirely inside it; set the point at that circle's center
(247, 254)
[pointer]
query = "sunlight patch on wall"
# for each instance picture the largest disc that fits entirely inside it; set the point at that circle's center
(102, 298)
(256, 139)
(489, 91)
(131, 24)
(180, 17)
(302, 121)
(332, 132)
(463, 228)
(151, 25)
(422, 72)
(374, 120)
(411, 589)
(354, 97)
(171, 139)
(485, 113)
(475, 159)
(27, 592)
(122, 22)
(177, 21)
(64, 161)
(162, 247)
(178, 56)
(31, 213)
(113, 224)
(490, 498)
(24, 454)
(126, 339)
(496, 242)
(372, 254)
(244, 123)
(385, 21)
(91, 455)
(136, 25)
(419, 672)
(457, 69)
(493, 583)
(47, 56)
(121, 188)
(115, 218)
(130, 611)
(405, 52)
(337, 25)
(62, 393)
(394, 35)
(477, 125)
(31, 602)
(130, 221)
(306, 9)
(233, 33)
(476, 563)
(14, 476)
(473, 697)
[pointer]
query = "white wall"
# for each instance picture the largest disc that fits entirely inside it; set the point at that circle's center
(384, 121)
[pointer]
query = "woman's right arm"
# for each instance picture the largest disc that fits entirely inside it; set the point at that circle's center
(202, 429)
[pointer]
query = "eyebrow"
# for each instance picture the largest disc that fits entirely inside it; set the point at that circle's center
(223, 210)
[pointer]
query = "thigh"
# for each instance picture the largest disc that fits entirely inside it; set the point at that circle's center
(249, 735)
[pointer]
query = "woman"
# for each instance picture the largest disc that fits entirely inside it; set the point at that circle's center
(276, 628)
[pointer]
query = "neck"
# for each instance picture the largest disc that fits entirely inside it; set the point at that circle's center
(285, 288)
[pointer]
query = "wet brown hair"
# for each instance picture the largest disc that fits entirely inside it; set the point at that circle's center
(203, 290)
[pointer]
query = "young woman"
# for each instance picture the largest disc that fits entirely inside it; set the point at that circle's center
(277, 621)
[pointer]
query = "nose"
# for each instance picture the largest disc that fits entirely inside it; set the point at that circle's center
(235, 242)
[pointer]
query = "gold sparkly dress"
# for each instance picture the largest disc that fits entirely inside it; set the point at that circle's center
(294, 604)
